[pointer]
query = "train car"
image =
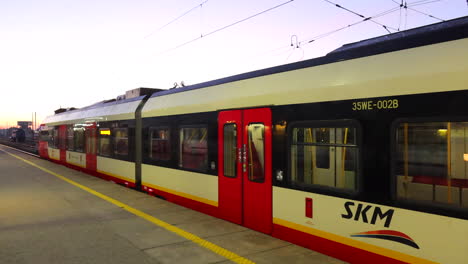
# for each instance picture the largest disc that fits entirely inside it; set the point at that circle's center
(99, 139)
(360, 154)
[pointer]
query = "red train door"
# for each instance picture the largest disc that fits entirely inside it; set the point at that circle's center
(245, 184)
(62, 143)
(91, 146)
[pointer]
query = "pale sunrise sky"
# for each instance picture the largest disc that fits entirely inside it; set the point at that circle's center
(64, 53)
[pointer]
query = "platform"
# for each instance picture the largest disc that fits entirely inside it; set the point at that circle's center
(53, 214)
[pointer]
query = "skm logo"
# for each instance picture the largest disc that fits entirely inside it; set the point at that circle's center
(360, 212)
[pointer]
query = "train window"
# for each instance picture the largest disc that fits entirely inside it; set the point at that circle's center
(105, 146)
(44, 135)
(121, 141)
(324, 155)
(160, 144)
(431, 162)
(256, 152)
(193, 148)
(53, 137)
(230, 147)
(78, 136)
(70, 142)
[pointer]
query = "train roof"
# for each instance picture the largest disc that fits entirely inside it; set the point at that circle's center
(108, 110)
(431, 34)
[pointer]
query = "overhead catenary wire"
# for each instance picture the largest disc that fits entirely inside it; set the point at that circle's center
(399, 21)
(365, 18)
(177, 18)
(322, 35)
(429, 15)
(227, 26)
(310, 40)
(406, 5)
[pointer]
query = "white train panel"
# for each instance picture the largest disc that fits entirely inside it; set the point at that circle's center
(196, 186)
(53, 153)
(120, 169)
(76, 158)
(362, 225)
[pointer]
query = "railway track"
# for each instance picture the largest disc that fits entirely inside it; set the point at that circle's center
(28, 146)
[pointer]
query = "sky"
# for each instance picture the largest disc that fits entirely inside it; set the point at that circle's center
(73, 53)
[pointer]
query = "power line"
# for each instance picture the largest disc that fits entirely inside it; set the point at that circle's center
(417, 11)
(177, 18)
(422, 2)
(350, 25)
(399, 21)
(227, 26)
(365, 18)
(408, 6)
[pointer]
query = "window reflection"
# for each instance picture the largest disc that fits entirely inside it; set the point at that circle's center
(194, 148)
(256, 152)
(230, 147)
(160, 148)
(431, 164)
(324, 156)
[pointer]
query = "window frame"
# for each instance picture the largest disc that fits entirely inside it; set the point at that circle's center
(236, 152)
(72, 137)
(76, 139)
(262, 180)
(52, 141)
(101, 136)
(206, 170)
(323, 189)
(150, 142)
(112, 125)
(419, 205)
(114, 142)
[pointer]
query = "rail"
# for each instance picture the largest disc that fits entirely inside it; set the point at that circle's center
(28, 146)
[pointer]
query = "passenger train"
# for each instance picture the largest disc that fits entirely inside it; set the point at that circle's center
(361, 154)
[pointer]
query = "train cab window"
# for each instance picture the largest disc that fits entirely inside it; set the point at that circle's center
(160, 144)
(121, 141)
(44, 135)
(256, 152)
(105, 144)
(193, 148)
(324, 155)
(431, 163)
(230, 147)
(70, 141)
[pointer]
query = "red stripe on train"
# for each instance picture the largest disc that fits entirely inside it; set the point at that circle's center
(330, 248)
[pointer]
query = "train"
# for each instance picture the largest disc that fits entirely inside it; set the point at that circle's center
(360, 154)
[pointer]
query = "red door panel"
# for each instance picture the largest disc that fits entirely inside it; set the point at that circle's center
(257, 175)
(62, 143)
(91, 146)
(245, 196)
(230, 187)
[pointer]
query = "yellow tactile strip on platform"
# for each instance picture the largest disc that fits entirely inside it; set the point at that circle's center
(189, 236)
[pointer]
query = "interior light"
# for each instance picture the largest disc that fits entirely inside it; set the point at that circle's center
(442, 132)
(105, 132)
(465, 157)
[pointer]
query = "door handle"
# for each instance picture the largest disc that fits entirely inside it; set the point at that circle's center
(244, 158)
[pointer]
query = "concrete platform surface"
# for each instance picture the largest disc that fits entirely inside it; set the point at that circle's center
(44, 219)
